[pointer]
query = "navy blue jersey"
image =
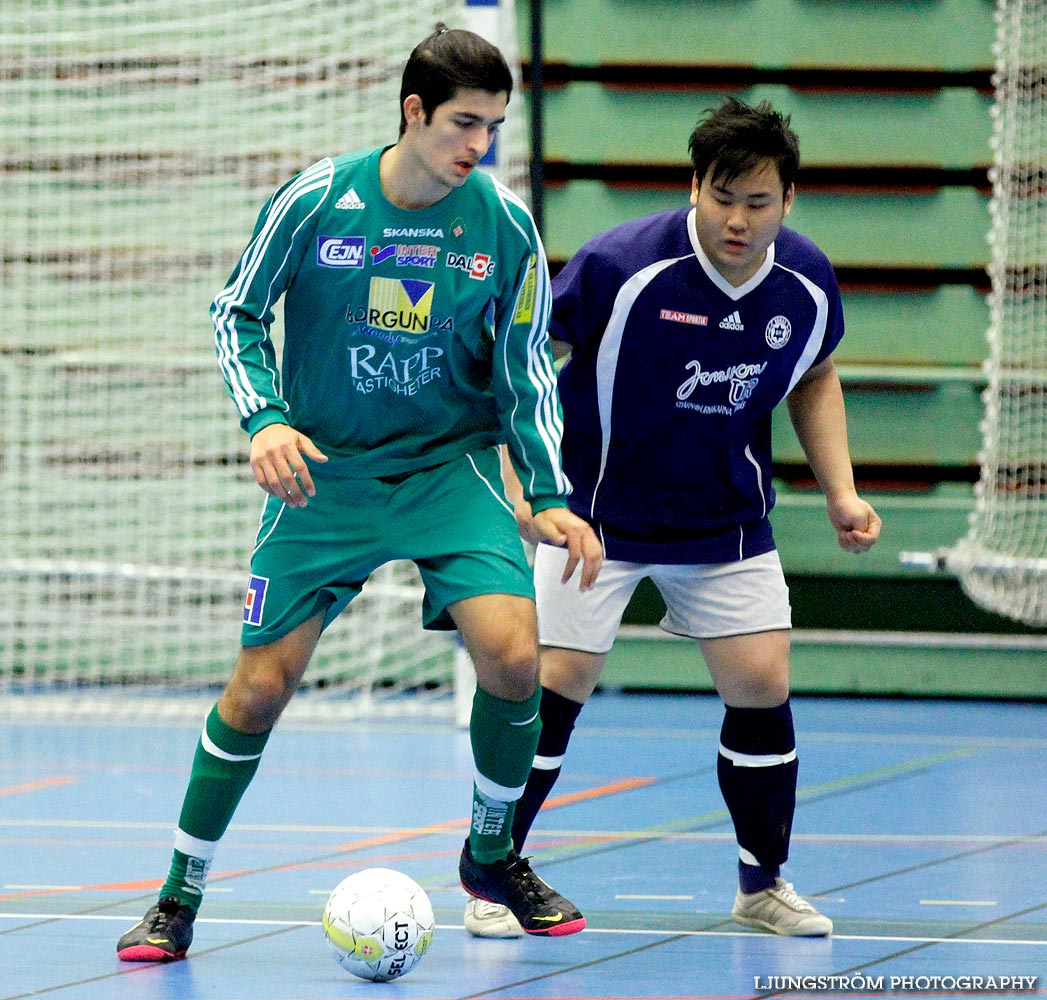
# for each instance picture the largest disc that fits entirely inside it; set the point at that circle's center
(668, 393)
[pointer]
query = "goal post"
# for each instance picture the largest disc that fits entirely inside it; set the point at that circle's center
(140, 138)
(1002, 561)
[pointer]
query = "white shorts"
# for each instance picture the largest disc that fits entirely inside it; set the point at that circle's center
(702, 601)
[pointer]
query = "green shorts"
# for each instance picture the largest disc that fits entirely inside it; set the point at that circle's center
(452, 521)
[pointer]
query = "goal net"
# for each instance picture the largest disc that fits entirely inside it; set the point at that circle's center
(1002, 562)
(139, 140)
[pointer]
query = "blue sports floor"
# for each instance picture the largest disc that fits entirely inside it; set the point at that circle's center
(921, 829)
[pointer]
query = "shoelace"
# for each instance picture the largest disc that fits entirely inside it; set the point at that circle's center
(167, 909)
(787, 894)
(160, 920)
(526, 878)
(483, 908)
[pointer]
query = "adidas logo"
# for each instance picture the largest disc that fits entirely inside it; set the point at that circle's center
(349, 200)
(732, 322)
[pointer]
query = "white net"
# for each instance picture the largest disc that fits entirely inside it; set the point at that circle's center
(1002, 563)
(138, 140)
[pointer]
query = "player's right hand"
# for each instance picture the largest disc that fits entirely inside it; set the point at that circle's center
(278, 465)
(525, 523)
(857, 524)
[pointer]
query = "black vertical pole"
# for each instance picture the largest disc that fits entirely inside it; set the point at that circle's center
(537, 117)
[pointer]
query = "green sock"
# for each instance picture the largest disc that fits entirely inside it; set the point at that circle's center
(504, 737)
(226, 760)
(186, 878)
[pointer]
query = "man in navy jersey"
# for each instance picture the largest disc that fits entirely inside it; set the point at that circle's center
(685, 330)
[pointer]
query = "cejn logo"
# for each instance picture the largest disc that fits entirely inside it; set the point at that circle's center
(340, 251)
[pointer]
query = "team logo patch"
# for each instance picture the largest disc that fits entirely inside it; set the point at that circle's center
(479, 265)
(400, 304)
(254, 602)
(340, 251)
(778, 332)
(675, 316)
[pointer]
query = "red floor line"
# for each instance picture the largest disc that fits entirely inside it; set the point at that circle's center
(584, 795)
(36, 786)
(599, 792)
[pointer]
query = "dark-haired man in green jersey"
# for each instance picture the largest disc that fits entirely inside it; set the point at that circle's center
(416, 302)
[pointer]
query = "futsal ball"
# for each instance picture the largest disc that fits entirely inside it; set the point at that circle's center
(379, 924)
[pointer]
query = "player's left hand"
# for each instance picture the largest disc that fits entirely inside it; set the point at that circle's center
(558, 526)
(857, 524)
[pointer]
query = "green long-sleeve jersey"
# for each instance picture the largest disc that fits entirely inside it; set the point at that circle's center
(411, 337)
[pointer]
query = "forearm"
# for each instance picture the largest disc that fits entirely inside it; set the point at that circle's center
(524, 385)
(242, 312)
(248, 365)
(819, 418)
(817, 410)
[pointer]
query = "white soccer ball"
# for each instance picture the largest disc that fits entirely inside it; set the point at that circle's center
(379, 924)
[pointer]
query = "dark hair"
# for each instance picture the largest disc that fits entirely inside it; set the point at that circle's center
(448, 60)
(734, 138)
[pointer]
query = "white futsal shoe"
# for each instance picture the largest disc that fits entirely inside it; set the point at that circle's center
(781, 910)
(490, 920)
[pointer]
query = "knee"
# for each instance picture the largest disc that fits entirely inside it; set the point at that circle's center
(501, 633)
(759, 684)
(507, 666)
(257, 692)
(764, 688)
(750, 671)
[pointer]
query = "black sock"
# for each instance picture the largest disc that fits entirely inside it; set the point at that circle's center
(757, 769)
(558, 718)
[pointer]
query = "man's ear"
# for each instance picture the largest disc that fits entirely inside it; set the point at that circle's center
(695, 186)
(414, 110)
(788, 200)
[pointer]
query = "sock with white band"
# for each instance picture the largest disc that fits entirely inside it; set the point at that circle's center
(504, 735)
(226, 760)
(757, 770)
(559, 715)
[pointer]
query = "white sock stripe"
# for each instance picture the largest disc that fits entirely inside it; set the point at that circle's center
(546, 763)
(747, 858)
(203, 849)
(215, 751)
(757, 759)
(492, 790)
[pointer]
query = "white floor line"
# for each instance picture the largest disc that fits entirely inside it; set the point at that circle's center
(645, 932)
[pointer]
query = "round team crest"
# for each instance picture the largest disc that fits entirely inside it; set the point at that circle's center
(778, 332)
